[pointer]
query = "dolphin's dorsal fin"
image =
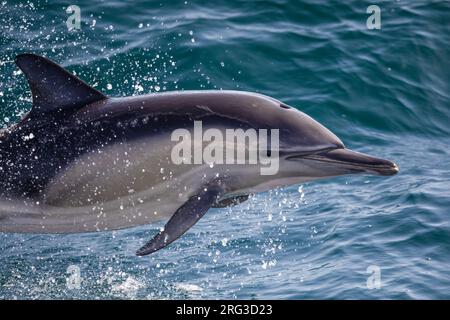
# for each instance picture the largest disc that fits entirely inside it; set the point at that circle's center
(53, 88)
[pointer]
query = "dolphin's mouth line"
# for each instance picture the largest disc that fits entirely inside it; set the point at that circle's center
(356, 165)
(351, 160)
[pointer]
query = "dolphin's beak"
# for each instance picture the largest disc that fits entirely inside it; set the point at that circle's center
(356, 162)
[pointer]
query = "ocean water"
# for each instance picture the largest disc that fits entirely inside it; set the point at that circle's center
(385, 92)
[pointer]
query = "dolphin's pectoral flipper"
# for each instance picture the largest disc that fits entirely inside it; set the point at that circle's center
(54, 88)
(229, 202)
(184, 218)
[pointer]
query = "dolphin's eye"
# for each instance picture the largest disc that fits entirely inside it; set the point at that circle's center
(284, 106)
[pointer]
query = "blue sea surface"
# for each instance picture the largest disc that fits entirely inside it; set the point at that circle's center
(384, 91)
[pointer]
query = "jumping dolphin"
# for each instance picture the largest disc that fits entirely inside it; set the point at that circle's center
(80, 161)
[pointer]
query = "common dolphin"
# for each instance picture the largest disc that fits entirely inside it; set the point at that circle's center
(80, 161)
